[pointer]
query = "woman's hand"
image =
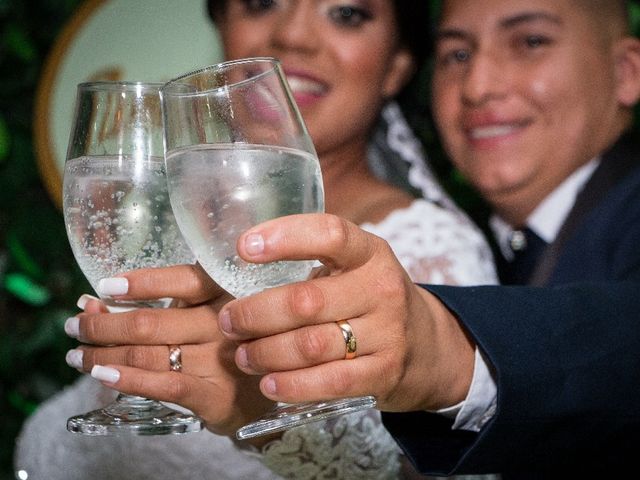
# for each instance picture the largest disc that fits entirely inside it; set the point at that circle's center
(411, 351)
(135, 345)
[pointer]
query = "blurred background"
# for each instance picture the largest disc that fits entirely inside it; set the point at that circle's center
(46, 48)
(39, 279)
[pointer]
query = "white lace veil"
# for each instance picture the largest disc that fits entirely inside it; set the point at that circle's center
(397, 156)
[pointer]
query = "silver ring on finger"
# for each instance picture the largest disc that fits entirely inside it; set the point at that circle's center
(175, 358)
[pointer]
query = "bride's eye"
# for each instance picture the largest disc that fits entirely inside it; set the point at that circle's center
(258, 6)
(349, 15)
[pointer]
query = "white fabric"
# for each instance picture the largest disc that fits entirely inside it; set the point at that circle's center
(480, 404)
(434, 244)
(46, 451)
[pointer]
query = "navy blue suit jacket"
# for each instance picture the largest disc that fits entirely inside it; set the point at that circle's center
(566, 356)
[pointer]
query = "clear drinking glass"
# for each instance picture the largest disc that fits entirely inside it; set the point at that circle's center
(238, 154)
(118, 218)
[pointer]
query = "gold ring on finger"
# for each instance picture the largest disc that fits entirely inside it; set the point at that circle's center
(349, 339)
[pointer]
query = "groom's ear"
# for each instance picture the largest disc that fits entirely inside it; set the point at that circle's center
(627, 70)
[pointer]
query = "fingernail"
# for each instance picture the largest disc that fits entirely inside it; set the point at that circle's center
(72, 327)
(254, 244)
(113, 286)
(224, 320)
(242, 357)
(269, 386)
(105, 374)
(74, 358)
(82, 301)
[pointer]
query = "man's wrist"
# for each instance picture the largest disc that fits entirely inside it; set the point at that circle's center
(453, 357)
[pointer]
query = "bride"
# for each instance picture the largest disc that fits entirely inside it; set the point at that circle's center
(345, 62)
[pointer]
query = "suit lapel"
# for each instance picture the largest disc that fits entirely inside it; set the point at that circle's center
(615, 164)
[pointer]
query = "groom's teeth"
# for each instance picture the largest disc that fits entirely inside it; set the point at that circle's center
(493, 131)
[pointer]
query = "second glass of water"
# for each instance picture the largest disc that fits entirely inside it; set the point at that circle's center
(238, 154)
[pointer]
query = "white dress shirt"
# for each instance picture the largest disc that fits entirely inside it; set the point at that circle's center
(546, 221)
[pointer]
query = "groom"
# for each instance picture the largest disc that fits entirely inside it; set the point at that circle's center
(534, 102)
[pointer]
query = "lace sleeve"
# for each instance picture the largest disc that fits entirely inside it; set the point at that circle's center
(437, 245)
(354, 446)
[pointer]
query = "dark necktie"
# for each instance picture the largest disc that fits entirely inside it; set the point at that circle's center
(527, 248)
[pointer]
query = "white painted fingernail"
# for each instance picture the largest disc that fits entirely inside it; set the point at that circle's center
(105, 374)
(113, 286)
(82, 301)
(72, 327)
(74, 358)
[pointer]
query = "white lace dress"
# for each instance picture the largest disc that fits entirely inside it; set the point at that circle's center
(436, 244)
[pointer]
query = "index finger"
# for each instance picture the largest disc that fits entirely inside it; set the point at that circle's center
(188, 283)
(333, 240)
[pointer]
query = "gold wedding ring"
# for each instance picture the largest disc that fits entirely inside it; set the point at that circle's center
(175, 358)
(349, 339)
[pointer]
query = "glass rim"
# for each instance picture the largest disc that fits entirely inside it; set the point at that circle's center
(169, 87)
(119, 85)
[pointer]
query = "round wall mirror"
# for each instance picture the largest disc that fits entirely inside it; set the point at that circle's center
(141, 40)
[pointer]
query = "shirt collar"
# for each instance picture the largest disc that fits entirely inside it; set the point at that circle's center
(549, 216)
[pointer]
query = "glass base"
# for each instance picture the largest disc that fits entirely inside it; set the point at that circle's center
(288, 416)
(129, 415)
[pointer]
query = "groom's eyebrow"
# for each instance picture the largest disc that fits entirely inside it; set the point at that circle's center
(528, 17)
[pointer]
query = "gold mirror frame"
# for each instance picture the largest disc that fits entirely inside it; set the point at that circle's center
(104, 40)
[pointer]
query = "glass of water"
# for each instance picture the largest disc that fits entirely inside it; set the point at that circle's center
(118, 218)
(238, 154)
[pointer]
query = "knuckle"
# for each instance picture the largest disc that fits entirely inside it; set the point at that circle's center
(255, 358)
(141, 280)
(341, 382)
(244, 318)
(306, 300)
(134, 384)
(88, 329)
(143, 327)
(312, 345)
(337, 232)
(197, 282)
(88, 358)
(135, 357)
(391, 285)
(292, 386)
(177, 388)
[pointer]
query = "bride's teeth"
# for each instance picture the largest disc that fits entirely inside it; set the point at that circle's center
(302, 85)
(494, 131)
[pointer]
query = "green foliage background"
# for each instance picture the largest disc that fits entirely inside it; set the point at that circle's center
(39, 280)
